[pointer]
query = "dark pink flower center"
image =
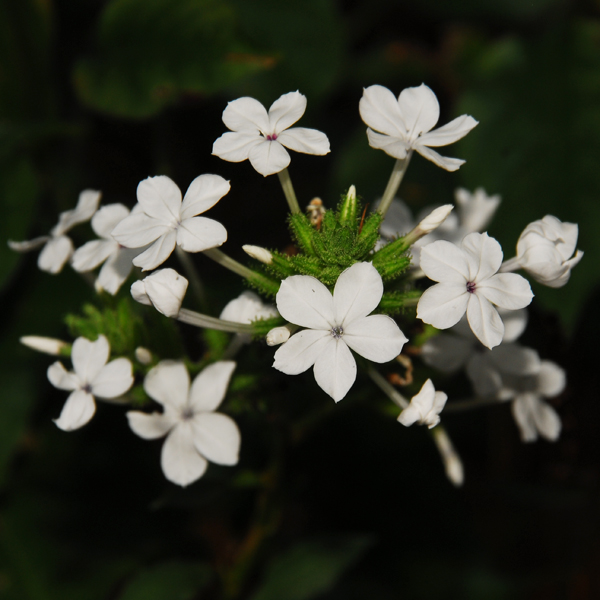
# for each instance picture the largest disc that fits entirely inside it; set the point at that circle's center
(272, 137)
(471, 287)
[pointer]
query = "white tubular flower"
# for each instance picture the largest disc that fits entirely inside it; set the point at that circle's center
(335, 324)
(46, 345)
(116, 258)
(57, 247)
(405, 124)
(468, 282)
(166, 220)
(425, 407)
(92, 378)
(475, 209)
(164, 289)
(260, 136)
(195, 433)
(247, 307)
(545, 250)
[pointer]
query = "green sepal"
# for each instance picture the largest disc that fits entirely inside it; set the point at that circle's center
(260, 327)
(303, 232)
(369, 232)
(327, 274)
(264, 284)
(390, 251)
(392, 269)
(393, 303)
(347, 211)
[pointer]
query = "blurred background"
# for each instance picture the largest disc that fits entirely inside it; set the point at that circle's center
(101, 94)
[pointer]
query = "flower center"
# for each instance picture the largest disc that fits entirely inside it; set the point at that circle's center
(187, 414)
(87, 388)
(337, 332)
(471, 287)
(272, 137)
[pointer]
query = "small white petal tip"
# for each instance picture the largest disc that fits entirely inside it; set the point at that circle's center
(258, 253)
(47, 345)
(278, 335)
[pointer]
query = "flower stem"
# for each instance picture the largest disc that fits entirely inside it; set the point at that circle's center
(512, 264)
(460, 405)
(394, 183)
(194, 278)
(199, 320)
(387, 388)
(288, 190)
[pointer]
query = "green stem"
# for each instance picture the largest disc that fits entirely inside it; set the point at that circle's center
(194, 278)
(394, 183)
(387, 388)
(288, 190)
(199, 320)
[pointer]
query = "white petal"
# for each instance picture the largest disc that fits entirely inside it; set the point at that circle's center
(166, 289)
(484, 254)
(513, 359)
(477, 209)
(484, 320)
(217, 438)
(449, 133)
(246, 308)
(87, 205)
(160, 198)
(447, 353)
(522, 412)
(200, 233)
(168, 383)
(139, 294)
(377, 338)
(547, 421)
(179, 459)
(507, 290)
(410, 415)
(89, 357)
(301, 351)
(29, 245)
(90, 255)
(309, 141)
(305, 301)
(158, 252)
(116, 270)
(209, 387)
(77, 411)
(269, 157)
(114, 379)
(398, 220)
(394, 146)
(235, 146)
(445, 262)
(552, 380)
(445, 162)
(420, 110)
(357, 293)
(443, 305)
(335, 368)
(484, 375)
(246, 114)
(62, 379)
(55, 254)
(285, 111)
(515, 322)
(149, 426)
(379, 110)
(204, 192)
(107, 218)
(138, 230)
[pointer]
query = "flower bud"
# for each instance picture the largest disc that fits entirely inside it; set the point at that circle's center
(278, 335)
(143, 355)
(434, 219)
(164, 289)
(258, 253)
(46, 345)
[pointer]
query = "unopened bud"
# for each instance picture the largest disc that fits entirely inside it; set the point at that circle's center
(143, 355)
(164, 289)
(435, 218)
(44, 344)
(260, 254)
(278, 335)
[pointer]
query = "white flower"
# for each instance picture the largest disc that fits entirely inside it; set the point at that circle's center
(247, 307)
(166, 221)
(425, 407)
(164, 289)
(195, 433)
(116, 258)
(46, 345)
(545, 250)
(58, 247)
(335, 324)
(404, 124)
(260, 136)
(475, 209)
(91, 378)
(469, 283)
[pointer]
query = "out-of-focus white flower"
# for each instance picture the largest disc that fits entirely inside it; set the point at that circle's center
(195, 433)
(164, 289)
(46, 345)
(335, 324)
(278, 335)
(166, 221)
(425, 407)
(143, 355)
(91, 378)
(247, 307)
(260, 136)
(469, 282)
(58, 247)
(405, 124)
(545, 250)
(475, 210)
(116, 258)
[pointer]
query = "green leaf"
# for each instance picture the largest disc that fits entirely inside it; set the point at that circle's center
(311, 568)
(150, 52)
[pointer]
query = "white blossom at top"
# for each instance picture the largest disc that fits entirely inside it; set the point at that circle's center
(545, 250)
(405, 124)
(164, 289)
(195, 433)
(92, 378)
(260, 136)
(469, 282)
(116, 258)
(425, 407)
(476, 209)
(335, 324)
(58, 247)
(166, 221)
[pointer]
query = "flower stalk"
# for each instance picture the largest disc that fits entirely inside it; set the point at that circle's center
(394, 183)
(288, 190)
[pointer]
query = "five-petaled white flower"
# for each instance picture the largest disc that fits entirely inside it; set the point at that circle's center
(116, 258)
(164, 289)
(166, 221)
(58, 247)
(469, 282)
(91, 378)
(405, 124)
(335, 324)
(425, 407)
(195, 433)
(260, 136)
